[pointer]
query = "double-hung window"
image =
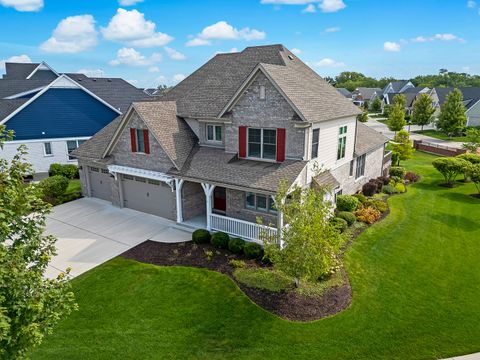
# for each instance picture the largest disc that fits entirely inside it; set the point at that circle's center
(342, 142)
(47, 149)
(72, 145)
(360, 171)
(262, 143)
(214, 133)
(315, 139)
(260, 202)
(140, 137)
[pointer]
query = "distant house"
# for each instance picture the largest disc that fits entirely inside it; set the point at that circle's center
(53, 113)
(345, 92)
(149, 91)
(410, 93)
(471, 100)
(397, 87)
(363, 95)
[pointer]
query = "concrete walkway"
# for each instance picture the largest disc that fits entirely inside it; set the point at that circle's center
(91, 231)
(383, 128)
(466, 357)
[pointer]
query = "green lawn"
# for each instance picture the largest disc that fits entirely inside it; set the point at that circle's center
(415, 279)
(440, 135)
(73, 187)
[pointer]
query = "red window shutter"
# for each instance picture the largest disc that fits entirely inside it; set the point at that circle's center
(133, 140)
(146, 142)
(242, 141)
(280, 145)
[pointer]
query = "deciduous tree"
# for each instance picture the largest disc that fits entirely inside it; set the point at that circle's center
(422, 110)
(403, 146)
(396, 118)
(452, 117)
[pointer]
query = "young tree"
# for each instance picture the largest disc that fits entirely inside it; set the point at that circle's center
(376, 105)
(452, 117)
(473, 136)
(474, 175)
(363, 117)
(396, 118)
(30, 304)
(403, 146)
(422, 110)
(311, 243)
(450, 167)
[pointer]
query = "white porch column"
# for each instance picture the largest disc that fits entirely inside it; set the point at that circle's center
(208, 189)
(280, 225)
(178, 195)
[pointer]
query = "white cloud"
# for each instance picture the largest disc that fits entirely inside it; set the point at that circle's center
(471, 4)
(439, 37)
(154, 69)
(129, 2)
(224, 31)
(288, 2)
(133, 82)
(391, 46)
(296, 51)
(72, 35)
(332, 29)
(131, 57)
(329, 6)
(131, 27)
(310, 9)
(174, 54)
(96, 73)
(233, 50)
(327, 62)
(161, 79)
(420, 39)
(23, 5)
(16, 59)
(178, 77)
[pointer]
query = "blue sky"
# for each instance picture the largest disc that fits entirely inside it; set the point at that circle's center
(151, 41)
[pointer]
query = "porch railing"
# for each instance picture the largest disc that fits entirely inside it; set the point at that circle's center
(240, 228)
(387, 157)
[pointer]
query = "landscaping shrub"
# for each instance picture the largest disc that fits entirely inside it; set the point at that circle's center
(398, 171)
(54, 187)
(399, 187)
(253, 250)
(450, 168)
(384, 179)
(360, 197)
(347, 203)
(368, 215)
(339, 223)
(70, 171)
(236, 245)
(369, 189)
(412, 177)
(378, 183)
(471, 158)
(380, 205)
(389, 189)
(237, 264)
(349, 217)
(220, 240)
(201, 236)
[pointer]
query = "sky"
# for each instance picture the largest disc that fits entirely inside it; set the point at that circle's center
(152, 42)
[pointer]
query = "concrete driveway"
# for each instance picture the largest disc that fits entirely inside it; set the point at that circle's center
(91, 231)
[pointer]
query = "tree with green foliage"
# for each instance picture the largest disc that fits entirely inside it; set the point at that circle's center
(473, 137)
(450, 167)
(30, 304)
(363, 117)
(310, 243)
(422, 110)
(396, 118)
(452, 117)
(403, 146)
(473, 173)
(376, 105)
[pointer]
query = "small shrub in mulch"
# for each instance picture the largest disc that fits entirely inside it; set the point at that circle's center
(220, 240)
(253, 251)
(236, 245)
(201, 236)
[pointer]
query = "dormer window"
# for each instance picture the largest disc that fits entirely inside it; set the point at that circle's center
(262, 93)
(214, 133)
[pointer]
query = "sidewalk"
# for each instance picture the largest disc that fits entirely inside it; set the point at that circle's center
(382, 128)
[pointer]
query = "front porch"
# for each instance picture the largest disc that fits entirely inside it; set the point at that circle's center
(207, 206)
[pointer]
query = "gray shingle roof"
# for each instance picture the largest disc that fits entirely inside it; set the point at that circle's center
(10, 87)
(95, 147)
(19, 71)
(9, 106)
(172, 132)
(471, 95)
(345, 92)
(367, 93)
(326, 179)
(367, 139)
(209, 89)
(217, 166)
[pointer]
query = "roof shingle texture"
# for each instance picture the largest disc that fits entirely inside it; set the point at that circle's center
(217, 166)
(367, 139)
(172, 132)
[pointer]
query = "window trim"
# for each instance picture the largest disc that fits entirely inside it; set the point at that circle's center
(363, 163)
(214, 133)
(262, 92)
(269, 201)
(274, 159)
(139, 135)
(51, 149)
(313, 143)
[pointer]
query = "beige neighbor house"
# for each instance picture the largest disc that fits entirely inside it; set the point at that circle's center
(213, 151)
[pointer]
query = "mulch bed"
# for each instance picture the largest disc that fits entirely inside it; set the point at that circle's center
(286, 304)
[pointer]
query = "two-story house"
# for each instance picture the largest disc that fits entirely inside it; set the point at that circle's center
(53, 113)
(471, 101)
(215, 149)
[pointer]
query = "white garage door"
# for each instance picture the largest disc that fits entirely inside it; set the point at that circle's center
(150, 196)
(100, 183)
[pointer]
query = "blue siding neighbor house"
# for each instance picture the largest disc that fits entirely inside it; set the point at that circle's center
(52, 113)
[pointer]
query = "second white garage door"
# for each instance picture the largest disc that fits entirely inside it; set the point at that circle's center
(149, 196)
